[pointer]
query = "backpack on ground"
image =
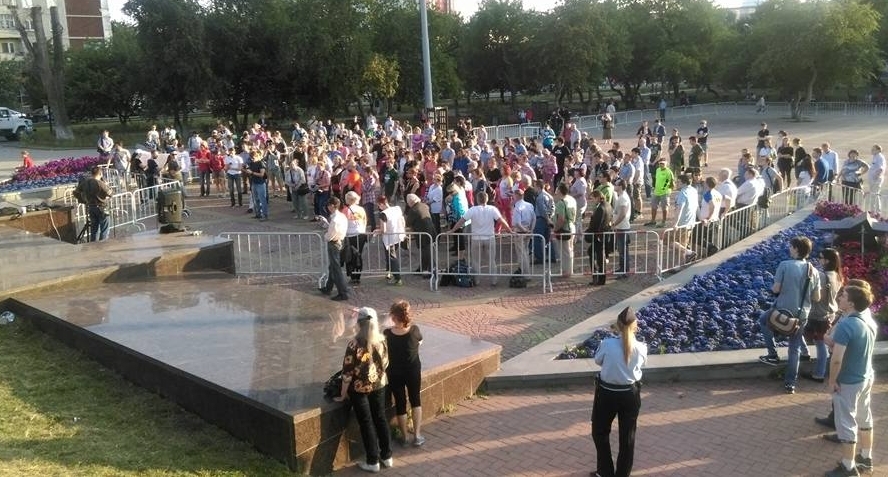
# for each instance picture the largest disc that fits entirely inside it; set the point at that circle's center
(463, 274)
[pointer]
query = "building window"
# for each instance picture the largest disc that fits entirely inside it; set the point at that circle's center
(7, 22)
(7, 47)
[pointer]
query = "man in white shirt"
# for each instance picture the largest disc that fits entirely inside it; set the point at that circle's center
(637, 182)
(483, 219)
(747, 194)
(334, 236)
(234, 164)
(728, 191)
(393, 230)
(708, 215)
(876, 177)
(644, 154)
(622, 212)
(832, 160)
(523, 221)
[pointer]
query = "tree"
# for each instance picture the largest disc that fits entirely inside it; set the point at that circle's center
(251, 70)
(11, 77)
(175, 71)
(380, 78)
(818, 45)
(571, 51)
(48, 63)
(495, 48)
(104, 78)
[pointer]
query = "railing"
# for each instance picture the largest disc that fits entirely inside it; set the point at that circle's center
(624, 253)
(414, 255)
(279, 253)
(867, 201)
(687, 245)
(591, 122)
(145, 199)
(501, 256)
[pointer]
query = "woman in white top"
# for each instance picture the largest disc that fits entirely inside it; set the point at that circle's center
(355, 237)
(435, 199)
(618, 394)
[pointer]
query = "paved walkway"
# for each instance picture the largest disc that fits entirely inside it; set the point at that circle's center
(726, 428)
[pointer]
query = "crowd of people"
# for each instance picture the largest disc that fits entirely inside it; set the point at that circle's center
(373, 165)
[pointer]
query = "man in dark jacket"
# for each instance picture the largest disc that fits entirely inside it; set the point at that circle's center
(418, 219)
(601, 222)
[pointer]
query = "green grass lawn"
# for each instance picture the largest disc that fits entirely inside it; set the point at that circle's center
(62, 414)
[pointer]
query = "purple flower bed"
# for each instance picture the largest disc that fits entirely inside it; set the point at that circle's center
(714, 311)
(52, 173)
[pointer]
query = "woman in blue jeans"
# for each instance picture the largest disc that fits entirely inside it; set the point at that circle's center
(364, 384)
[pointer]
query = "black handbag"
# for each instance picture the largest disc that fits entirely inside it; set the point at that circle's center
(333, 386)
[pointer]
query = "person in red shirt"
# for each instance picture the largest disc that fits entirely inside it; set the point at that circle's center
(217, 166)
(204, 168)
(27, 162)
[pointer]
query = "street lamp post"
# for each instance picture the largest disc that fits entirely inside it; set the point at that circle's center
(426, 57)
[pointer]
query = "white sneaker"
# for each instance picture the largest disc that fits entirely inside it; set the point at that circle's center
(388, 463)
(372, 468)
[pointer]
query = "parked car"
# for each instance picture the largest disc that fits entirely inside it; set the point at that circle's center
(13, 124)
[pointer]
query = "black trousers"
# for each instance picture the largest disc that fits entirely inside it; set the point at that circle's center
(405, 384)
(334, 271)
(623, 405)
(370, 413)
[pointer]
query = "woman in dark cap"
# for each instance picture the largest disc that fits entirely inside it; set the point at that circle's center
(618, 394)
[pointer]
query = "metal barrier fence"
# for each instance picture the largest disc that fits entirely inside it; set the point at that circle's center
(620, 253)
(501, 256)
(634, 117)
(410, 253)
(867, 201)
(681, 247)
(279, 253)
(144, 199)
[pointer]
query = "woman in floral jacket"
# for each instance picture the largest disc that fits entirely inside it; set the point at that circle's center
(364, 382)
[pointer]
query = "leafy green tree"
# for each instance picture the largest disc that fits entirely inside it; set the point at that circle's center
(329, 51)
(808, 47)
(380, 78)
(248, 57)
(633, 54)
(176, 71)
(496, 47)
(104, 78)
(12, 79)
(571, 51)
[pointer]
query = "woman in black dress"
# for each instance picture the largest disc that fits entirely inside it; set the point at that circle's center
(405, 369)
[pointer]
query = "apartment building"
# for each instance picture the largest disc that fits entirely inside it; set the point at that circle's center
(82, 21)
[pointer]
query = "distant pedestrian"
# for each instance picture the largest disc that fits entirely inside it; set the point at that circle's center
(618, 394)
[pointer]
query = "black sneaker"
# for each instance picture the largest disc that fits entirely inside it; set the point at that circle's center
(841, 471)
(864, 464)
(773, 360)
(826, 422)
(789, 389)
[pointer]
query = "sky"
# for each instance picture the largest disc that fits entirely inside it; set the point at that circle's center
(464, 7)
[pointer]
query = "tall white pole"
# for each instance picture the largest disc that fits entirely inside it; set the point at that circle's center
(426, 56)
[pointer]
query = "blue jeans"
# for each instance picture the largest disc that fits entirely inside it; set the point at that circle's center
(320, 203)
(260, 199)
(98, 223)
(206, 181)
(822, 362)
(796, 341)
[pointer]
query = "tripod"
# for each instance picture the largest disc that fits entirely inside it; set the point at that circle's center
(83, 236)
